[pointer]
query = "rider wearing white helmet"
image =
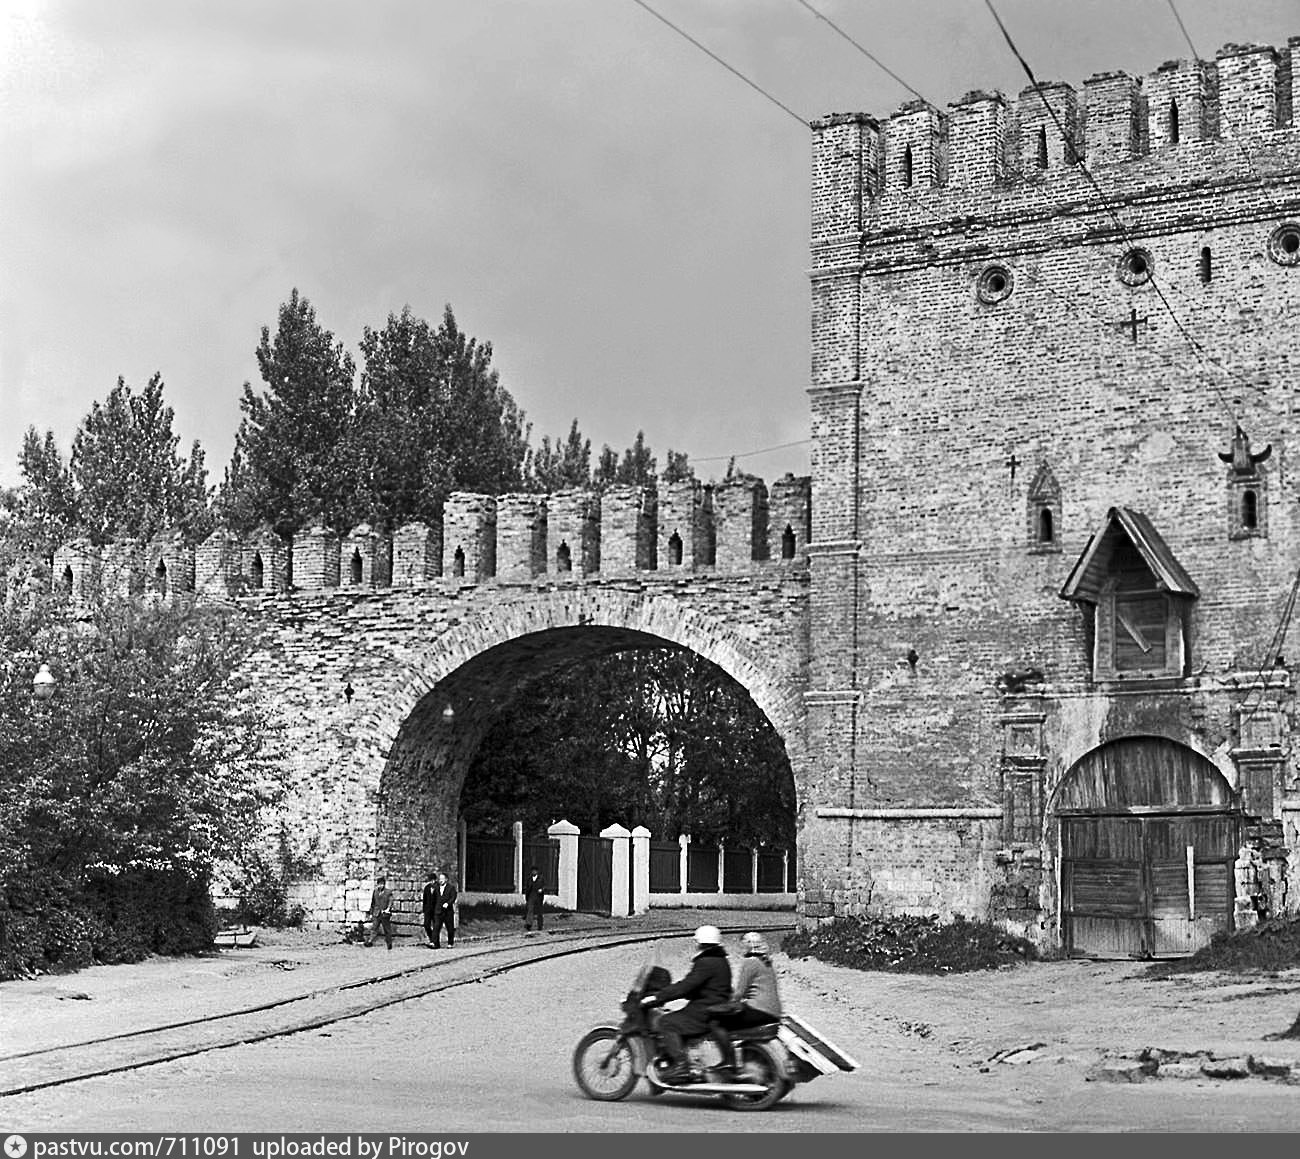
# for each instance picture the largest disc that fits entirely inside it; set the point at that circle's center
(706, 985)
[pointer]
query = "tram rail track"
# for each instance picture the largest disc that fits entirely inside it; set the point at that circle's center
(33, 1070)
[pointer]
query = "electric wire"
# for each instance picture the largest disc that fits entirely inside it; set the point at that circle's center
(1192, 342)
(714, 56)
(1250, 161)
(1270, 656)
(865, 52)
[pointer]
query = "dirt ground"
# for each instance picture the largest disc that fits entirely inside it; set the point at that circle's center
(1071, 1014)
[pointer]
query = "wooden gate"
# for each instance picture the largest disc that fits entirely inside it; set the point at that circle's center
(596, 875)
(1148, 835)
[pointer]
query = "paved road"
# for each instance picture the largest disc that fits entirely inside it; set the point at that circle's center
(495, 1056)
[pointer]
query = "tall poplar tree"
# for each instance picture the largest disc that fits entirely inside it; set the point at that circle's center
(432, 418)
(129, 480)
(292, 462)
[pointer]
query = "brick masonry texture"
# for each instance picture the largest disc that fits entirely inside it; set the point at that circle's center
(375, 780)
(927, 584)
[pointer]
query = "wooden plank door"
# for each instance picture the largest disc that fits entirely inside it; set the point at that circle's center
(1146, 886)
(1102, 886)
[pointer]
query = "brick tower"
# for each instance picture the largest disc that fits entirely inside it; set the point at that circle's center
(1054, 526)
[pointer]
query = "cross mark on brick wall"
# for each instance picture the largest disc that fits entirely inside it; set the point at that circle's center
(1131, 324)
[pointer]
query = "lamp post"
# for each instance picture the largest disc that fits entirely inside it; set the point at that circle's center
(43, 683)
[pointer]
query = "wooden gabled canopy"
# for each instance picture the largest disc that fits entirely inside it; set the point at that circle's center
(1091, 569)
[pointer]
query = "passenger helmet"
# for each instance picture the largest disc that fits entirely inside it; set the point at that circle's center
(708, 936)
(755, 943)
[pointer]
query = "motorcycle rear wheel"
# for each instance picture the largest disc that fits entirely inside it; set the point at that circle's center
(757, 1066)
(603, 1065)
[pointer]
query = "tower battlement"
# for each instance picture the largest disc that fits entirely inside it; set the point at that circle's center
(733, 526)
(1186, 120)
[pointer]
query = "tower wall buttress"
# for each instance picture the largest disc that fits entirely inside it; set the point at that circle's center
(315, 558)
(977, 141)
(573, 532)
(740, 523)
(629, 520)
(521, 536)
(1114, 106)
(1250, 103)
(469, 524)
(417, 554)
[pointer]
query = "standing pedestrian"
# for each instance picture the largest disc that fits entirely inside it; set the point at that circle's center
(534, 896)
(381, 912)
(445, 913)
(429, 903)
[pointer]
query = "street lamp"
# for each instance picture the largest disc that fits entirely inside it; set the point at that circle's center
(43, 683)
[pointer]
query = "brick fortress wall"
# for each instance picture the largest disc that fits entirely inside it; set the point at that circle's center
(365, 641)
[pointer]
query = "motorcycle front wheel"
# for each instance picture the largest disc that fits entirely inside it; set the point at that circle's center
(758, 1067)
(603, 1065)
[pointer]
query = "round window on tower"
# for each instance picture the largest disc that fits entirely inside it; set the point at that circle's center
(1284, 244)
(994, 285)
(1135, 267)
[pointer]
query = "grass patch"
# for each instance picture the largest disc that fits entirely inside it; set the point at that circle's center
(483, 912)
(1271, 945)
(910, 945)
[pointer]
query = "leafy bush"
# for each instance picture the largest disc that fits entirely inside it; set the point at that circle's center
(118, 914)
(913, 945)
(263, 879)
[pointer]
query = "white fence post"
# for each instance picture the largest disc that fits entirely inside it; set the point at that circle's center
(567, 833)
(517, 832)
(785, 871)
(722, 854)
(618, 902)
(684, 868)
(640, 870)
(753, 870)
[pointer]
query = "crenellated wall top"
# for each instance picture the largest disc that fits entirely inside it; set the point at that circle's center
(985, 141)
(508, 538)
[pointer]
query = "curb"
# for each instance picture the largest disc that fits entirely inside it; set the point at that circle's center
(1158, 1062)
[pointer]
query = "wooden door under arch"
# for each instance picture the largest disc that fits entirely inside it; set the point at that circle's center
(1148, 837)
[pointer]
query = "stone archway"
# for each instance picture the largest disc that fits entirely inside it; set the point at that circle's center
(449, 694)
(1147, 831)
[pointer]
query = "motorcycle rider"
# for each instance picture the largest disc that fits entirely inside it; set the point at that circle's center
(707, 984)
(755, 994)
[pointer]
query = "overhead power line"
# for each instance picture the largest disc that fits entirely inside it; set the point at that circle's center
(1250, 162)
(874, 60)
(1196, 346)
(715, 57)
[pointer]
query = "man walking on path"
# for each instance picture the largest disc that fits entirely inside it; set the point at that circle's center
(381, 912)
(429, 902)
(534, 895)
(445, 912)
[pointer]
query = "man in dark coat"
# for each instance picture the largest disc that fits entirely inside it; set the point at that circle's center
(381, 912)
(429, 902)
(534, 895)
(445, 912)
(707, 984)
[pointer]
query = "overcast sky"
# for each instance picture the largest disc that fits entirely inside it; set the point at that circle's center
(624, 219)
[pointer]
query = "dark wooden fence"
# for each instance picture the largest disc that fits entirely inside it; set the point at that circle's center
(490, 864)
(701, 869)
(738, 871)
(665, 867)
(771, 872)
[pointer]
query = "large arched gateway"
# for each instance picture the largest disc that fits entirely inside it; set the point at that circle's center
(448, 710)
(1148, 834)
